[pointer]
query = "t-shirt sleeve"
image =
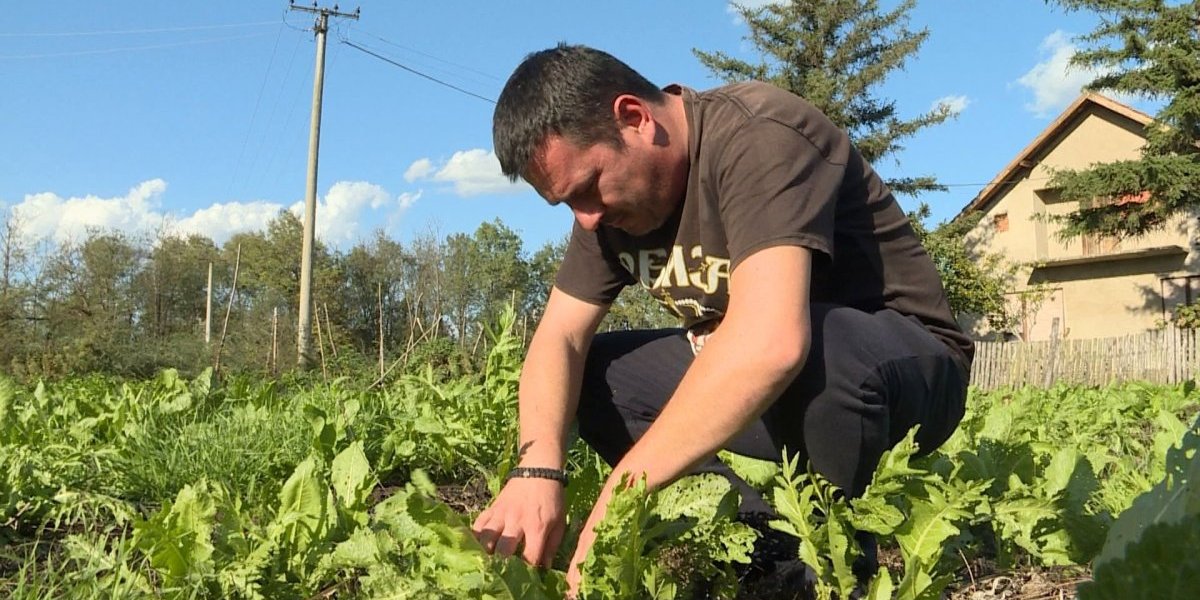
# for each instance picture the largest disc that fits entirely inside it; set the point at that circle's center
(779, 186)
(590, 271)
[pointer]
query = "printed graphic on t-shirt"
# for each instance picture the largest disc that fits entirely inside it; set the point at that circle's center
(690, 284)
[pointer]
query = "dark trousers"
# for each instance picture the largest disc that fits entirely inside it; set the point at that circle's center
(868, 379)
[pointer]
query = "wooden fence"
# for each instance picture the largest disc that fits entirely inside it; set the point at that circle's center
(1167, 355)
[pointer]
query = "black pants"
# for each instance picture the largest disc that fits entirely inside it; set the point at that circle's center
(868, 379)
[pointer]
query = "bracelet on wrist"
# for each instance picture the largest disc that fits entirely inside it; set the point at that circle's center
(538, 473)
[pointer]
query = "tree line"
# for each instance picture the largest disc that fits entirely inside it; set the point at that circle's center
(127, 304)
(132, 304)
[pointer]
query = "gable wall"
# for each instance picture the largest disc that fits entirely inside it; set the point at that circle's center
(1092, 300)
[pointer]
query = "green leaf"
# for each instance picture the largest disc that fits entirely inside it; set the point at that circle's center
(304, 505)
(1172, 500)
(881, 586)
(352, 481)
(1161, 565)
(758, 473)
(177, 540)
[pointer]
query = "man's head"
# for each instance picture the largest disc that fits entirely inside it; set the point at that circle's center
(587, 130)
(567, 91)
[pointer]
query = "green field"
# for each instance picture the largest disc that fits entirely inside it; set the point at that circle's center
(301, 488)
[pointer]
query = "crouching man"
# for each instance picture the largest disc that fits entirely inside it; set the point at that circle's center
(812, 317)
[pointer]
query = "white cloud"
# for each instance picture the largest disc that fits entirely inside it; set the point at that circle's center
(220, 221)
(407, 199)
(418, 170)
(957, 104)
(47, 215)
(339, 214)
(1054, 81)
(472, 172)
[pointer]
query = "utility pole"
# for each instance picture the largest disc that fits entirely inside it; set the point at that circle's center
(304, 329)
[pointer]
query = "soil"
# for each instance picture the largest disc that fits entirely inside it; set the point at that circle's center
(981, 579)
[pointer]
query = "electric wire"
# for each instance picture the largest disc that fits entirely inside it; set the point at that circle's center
(295, 100)
(415, 59)
(254, 115)
(130, 48)
(427, 55)
(136, 31)
(416, 72)
(996, 182)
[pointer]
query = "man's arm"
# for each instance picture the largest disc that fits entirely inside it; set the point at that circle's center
(532, 510)
(552, 375)
(753, 356)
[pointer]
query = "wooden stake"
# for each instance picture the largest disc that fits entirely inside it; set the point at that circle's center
(273, 360)
(208, 308)
(321, 347)
(381, 330)
(329, 330)
(237, 264)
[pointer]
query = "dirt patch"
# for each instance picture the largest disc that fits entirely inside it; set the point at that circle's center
(1041, 583)
(469, 498)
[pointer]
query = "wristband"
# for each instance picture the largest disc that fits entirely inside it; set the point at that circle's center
(538, 473)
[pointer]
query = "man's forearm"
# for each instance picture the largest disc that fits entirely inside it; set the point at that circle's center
(549, 395)
(727, 386)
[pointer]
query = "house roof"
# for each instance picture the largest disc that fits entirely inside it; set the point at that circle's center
(1024, 160)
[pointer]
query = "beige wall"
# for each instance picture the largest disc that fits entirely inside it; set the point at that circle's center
(1095, 299)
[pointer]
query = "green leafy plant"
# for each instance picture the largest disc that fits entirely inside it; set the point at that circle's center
(1141, 556)
(663, 545)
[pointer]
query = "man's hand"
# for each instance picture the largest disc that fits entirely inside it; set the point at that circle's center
(587, 536)
(529, 513)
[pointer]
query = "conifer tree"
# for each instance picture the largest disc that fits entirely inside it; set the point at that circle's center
(834, 53)
(1149, 48)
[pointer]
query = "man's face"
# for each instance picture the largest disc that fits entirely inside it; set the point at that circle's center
(629, 188)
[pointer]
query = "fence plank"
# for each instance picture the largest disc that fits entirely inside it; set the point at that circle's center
(1168, 356)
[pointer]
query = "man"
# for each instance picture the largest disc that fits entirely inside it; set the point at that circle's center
(813, 319)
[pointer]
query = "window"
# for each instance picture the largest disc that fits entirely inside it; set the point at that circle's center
(1094, 244)
(1000, 221)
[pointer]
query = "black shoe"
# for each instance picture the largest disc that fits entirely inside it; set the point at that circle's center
(775, 570)
(867, 565)
(782, 580)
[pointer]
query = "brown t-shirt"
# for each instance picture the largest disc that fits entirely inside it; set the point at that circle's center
(768, 169)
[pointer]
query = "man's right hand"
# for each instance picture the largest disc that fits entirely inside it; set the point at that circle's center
(530, 514)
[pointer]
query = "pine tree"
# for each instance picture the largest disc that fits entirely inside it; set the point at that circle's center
(1149, 48)
(833, 53)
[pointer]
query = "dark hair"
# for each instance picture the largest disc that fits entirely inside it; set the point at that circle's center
(565, 90)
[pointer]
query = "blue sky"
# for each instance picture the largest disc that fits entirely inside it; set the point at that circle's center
(150, 116)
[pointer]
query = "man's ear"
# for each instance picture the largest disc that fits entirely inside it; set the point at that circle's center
(632, 111)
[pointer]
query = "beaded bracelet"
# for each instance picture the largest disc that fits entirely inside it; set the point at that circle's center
(538, 473)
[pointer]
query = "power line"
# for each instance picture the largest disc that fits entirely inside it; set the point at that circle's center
(997, 182)
(132, 31)
(273, 151)
(427, 55)
(254, 114)
(416, 72)
(131, 48)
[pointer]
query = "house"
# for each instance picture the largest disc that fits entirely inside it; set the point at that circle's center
(1085, 287)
